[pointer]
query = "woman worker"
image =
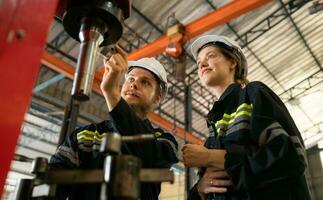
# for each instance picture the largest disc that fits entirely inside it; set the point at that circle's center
(254, 149)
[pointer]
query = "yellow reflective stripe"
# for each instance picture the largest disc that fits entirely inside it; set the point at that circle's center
(85, 131)
(222, 121)
(245, 105)
(158, 134)
(84, 137)
(226, 116)
(98, 135)
(234, 116)
(90, 135)
(98, 138)
(230, 118)
(239, 114)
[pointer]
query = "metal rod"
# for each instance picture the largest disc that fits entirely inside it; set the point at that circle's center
(188, 128)
(97, 176)
(69, 121)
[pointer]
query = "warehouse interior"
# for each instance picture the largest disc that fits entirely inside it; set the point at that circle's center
(282, 41)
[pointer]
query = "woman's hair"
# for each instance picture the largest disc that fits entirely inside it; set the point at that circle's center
(231, 54)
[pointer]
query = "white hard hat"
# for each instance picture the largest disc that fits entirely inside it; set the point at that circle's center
(154, 66)
(202, 41)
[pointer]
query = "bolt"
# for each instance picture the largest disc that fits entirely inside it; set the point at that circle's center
(20, 33)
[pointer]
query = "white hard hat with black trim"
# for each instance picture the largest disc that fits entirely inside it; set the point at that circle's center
(155, 67)
(203, 41)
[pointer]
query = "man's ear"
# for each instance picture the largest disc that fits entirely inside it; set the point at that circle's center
(157, 98)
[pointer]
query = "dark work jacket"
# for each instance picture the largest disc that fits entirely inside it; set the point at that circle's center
(81, 151)
(265, 157)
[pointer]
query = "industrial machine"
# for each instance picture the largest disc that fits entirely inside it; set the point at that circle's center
(120, 176)
(97, 25)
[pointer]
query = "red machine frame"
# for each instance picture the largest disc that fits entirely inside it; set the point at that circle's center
(23, 31)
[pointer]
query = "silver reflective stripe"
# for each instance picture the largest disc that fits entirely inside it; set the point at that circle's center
(211, 134)
(86, 142)
(241, 122)
(243, 115)
(96, 147)
(221, 132)
(240, 126)
(89, 142)
(85, 148)
(301, 151)
(171, 144)
(274, 130)
(221, 128)
(263, 134)
(211, 131)
(69, 154)
(296, 140)
(241, 118)
(275, 133)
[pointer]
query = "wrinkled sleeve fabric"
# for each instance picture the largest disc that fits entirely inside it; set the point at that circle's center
(274, 151)
(66, 157)
(77, 153)
(160, 152)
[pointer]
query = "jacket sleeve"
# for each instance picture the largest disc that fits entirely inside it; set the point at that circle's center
(275, 151)
(161, 152)
(80, 148)
(66, 155)
(75, 153)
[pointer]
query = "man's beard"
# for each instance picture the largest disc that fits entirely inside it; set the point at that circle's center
(141, 110)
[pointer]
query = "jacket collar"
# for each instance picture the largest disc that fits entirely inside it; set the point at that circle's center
(218, 106)
(230, 89)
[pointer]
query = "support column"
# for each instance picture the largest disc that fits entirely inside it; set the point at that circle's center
(190, 173)
(315, 173)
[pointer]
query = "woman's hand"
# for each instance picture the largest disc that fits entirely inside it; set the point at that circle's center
(198, 156)
(213, 181)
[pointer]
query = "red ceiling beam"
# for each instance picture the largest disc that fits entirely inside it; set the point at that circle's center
(62, 67)
(218, 17)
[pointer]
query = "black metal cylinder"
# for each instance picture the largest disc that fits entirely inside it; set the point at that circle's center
(111, 143)
(125, 175)
(23, 189)
(39, 166)
(106, 10)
